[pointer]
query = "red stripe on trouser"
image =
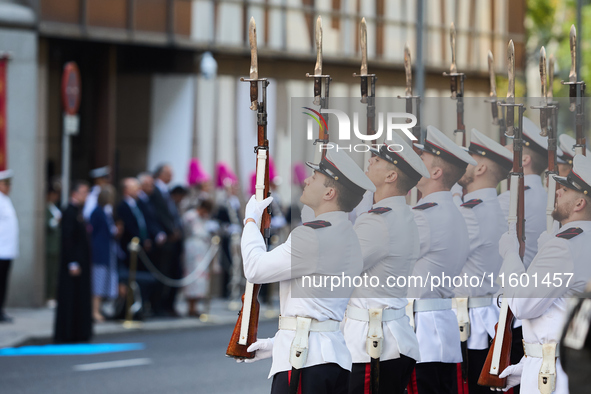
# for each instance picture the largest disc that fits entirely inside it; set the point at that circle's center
(412, 385)
(462, 387)
(367, 381)
(299, 383)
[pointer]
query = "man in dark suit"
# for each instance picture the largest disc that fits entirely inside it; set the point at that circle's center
(73, 322)
(169, 219)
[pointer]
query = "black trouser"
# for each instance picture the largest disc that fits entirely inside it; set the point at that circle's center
(319, 379)
(436, 378)
(476, 359)
(174, 271)
(517, 351)
(394, 376)
(4, 271)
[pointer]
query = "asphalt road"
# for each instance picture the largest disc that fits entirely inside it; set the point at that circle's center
(188, 361)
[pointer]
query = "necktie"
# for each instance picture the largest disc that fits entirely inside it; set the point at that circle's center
(140, 221)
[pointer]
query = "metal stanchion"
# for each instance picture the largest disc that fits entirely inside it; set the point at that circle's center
(134, 248)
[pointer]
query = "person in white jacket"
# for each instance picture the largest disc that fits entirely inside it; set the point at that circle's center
(389, 240)
(559, 270)
(313, 258)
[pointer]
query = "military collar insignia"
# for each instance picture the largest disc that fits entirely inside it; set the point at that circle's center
(316, 224)
(424, 206)
(570, 233)
(472, 203)
(380, 210)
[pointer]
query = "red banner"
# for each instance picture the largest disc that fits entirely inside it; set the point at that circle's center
(3, 147)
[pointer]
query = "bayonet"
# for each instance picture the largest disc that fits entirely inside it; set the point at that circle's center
(452, 40)
(408, 75)
(363, 70)
(511, 89)
(493, 89)
(544, 109)
(551, 77)
(254, 65)
(572, 75)
(457, 90)
(318, 67)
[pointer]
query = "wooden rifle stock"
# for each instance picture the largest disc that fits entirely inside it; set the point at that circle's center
(235, 349)
(486, 378)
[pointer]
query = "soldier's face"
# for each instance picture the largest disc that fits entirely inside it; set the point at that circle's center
(314, 190)
(5, 187)
(468, 176)
(565, 202)
(378, 170)
(428, 160)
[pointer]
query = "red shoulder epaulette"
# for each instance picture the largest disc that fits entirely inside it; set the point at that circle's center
(570, 233)
(318, 224)
(471, 203)
(425, 206)
(380, 210)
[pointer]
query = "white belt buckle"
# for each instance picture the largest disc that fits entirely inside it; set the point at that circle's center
(547, 375)
(463, 318)
(298, 353)
(410, 312)
(375, 334)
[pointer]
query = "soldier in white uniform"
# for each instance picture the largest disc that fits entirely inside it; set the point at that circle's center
(542, 308)
(389, 241)
(484, 219)
(566, 144)
(535, 162)
(8, 238)
(100, 177)
(324, 247)
(443, 250)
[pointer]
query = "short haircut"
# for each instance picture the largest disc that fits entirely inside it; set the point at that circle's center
(451, 173)
(403, 183)
(77, 184)
(143, 175)
(159, 169)
(497, 171)
(106, 195)
(346, 199)
(206, 205)
(539, 162)
(180, 190)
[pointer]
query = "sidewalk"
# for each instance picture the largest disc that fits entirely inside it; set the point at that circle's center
(37, 324)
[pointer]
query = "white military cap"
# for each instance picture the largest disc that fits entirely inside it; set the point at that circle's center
(533, 140)
(440, 145)
(484, 146)
(579, 178)
(100, 172)
(403, 156)
(336, 164)
(6, 174)
(566, 143)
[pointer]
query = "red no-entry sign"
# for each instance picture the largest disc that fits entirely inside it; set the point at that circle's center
(71, 88)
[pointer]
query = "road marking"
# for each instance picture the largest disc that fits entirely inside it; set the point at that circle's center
(134, 362)
(59, 350)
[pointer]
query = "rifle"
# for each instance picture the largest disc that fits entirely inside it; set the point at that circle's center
(576, 94)
(547, 119)
(245, 330)
(368, 81)
(457, 90)
(499, 355)
(368, 95)
(320, 80)
(414, 193)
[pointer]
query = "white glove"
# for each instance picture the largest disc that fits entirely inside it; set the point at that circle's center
(509, 242)
(513, 375)
(457, 190)
(254, 209)
(263, 349)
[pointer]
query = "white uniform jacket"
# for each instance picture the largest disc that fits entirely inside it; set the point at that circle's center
(485, 223)
(390, 246)
(542, 308)
(332, 250)
(8, 229)
(444, 248)
(535, 198)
